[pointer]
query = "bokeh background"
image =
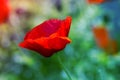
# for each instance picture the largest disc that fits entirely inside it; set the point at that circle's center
(83, 58)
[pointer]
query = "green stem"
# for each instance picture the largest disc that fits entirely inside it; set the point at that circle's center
(64, 68)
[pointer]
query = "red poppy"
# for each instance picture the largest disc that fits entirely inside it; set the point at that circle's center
(101, 36)
(4, 10)
(104, 41)
(95, 1)
(49, 37)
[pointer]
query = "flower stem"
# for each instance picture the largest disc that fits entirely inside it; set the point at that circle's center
(64, 68)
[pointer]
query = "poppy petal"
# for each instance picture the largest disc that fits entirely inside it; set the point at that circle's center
(46, 46)
(49, 27)
(58, 43)
(45, 29)
(65, 27)
(33, 45)
(29, 44)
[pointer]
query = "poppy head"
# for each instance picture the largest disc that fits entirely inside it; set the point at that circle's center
(4, 10)
(95, 1)
(101, 36)
(104, 41)
(49, 37)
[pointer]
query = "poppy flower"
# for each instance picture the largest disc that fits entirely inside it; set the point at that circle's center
(49, 37)
(4, 10)
(101, 36)
(95, 1)
(103, 40)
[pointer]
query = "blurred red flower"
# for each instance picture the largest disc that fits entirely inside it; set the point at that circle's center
(49, 37)
(95, 1)
(101, 36)
(103, 40)
(4, 10)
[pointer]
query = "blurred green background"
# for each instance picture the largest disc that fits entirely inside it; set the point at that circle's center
(83, 59)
